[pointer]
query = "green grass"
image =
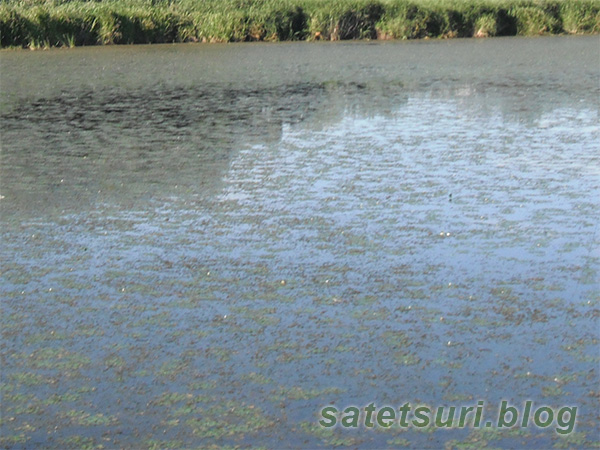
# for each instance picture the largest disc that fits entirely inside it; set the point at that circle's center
(64, 23)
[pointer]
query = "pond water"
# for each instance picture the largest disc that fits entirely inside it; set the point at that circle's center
(203, 245)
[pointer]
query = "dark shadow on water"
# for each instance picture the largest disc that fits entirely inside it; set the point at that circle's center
(80, 149)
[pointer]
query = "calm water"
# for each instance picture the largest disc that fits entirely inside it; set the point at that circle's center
(202, 246)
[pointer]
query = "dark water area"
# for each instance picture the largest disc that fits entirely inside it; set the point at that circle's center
(202, 246)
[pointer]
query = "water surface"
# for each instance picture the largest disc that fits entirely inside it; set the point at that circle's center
(204, 245)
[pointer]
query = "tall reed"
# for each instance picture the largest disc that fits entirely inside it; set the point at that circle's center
(59, 23)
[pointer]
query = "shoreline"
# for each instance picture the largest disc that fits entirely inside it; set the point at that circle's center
(38, 24)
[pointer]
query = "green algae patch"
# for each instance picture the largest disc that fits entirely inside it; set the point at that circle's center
(57, 359)
(229, 420)
(85, 419)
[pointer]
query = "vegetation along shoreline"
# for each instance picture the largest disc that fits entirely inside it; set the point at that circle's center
(59, 23)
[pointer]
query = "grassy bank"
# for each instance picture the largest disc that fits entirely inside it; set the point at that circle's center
(39, 23)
